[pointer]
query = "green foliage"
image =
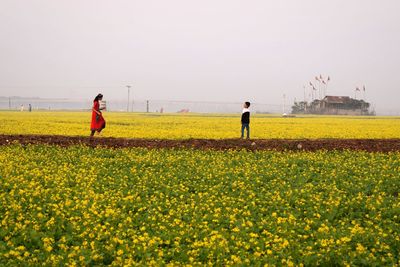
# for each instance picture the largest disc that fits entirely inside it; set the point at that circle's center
(85, 206)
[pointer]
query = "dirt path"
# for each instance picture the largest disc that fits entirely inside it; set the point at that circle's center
(371, 145)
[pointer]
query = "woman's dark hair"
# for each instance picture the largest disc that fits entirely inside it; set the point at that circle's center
(247, 104)
(99, 96)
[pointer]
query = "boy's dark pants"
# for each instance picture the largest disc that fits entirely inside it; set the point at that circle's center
(247, 127)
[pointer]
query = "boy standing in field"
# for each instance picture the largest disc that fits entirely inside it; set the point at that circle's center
(246, 119)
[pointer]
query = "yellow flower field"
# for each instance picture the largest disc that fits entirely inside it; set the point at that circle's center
(178, 126)
(82, 206)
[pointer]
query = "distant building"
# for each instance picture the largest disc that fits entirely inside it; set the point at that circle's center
(333, 105)
(185, 110)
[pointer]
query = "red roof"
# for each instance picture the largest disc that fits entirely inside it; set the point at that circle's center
(337, 99)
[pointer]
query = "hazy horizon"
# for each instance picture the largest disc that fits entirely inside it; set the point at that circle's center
(219, 51)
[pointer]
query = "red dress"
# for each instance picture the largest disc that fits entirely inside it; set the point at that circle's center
(98, 122)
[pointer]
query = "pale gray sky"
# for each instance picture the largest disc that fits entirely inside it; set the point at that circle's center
(219, 50)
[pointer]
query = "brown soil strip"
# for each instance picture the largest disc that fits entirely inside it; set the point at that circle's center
(370, 145)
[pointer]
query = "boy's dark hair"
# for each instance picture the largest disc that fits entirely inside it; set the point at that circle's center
(247, 104)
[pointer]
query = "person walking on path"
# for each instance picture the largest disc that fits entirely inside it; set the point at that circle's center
(98, 123)
(246, 119)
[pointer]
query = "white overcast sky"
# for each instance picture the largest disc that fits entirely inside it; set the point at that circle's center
(219, 50)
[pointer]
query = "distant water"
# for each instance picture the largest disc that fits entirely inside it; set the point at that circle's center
(153, 106)
(43, 104)
(138, 106)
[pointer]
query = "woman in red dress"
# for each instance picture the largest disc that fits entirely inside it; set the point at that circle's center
(98, 122)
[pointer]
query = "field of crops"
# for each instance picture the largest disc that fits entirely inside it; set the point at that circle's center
(94, 206)
(180, 126)
(86, 205)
